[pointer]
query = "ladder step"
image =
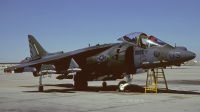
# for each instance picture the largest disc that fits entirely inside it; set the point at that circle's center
(159, 77)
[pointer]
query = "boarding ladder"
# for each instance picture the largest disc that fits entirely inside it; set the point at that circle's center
(152, 79)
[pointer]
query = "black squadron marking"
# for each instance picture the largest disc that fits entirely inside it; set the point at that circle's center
(156, 53)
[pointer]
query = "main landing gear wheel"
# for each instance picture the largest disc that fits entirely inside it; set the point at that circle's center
(104, 84)
(40, 88)
(80, 85)
(123, 86)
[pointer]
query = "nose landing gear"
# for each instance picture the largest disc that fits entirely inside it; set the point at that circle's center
(124, 86)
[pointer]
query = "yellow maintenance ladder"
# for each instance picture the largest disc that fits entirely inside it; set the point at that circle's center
(152, 79)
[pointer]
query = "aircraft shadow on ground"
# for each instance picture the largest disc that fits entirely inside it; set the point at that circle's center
(69, 88)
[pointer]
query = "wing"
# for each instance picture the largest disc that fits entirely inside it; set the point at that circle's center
(53, 58)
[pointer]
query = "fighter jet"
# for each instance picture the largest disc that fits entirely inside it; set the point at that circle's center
(105, 62)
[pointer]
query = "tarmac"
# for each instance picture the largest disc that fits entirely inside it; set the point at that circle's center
(19, 93)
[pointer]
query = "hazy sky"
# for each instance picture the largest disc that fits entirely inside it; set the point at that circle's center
(66, 25)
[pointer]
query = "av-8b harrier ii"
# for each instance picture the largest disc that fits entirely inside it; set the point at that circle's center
(104, 62)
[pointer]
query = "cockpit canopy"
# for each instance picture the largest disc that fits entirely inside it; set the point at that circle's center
(153, 41)
(142, 40)
(133, 38)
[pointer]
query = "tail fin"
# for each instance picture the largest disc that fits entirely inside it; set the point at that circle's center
(36, 50)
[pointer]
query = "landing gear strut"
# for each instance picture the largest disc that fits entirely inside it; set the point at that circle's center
(40, 87)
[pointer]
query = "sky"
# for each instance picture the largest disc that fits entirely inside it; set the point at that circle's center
(67, 25)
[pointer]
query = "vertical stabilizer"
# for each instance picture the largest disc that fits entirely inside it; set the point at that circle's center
(36, 50)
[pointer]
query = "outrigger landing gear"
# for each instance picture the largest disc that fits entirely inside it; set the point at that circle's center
(40, 87)
(123, 86)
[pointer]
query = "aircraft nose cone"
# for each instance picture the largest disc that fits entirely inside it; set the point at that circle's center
(181, 55)
(188, 55)
(193, 55)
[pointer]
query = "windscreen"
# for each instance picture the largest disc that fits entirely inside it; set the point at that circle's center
(153, 41)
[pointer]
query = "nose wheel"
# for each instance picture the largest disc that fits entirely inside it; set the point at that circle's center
(123, 86)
